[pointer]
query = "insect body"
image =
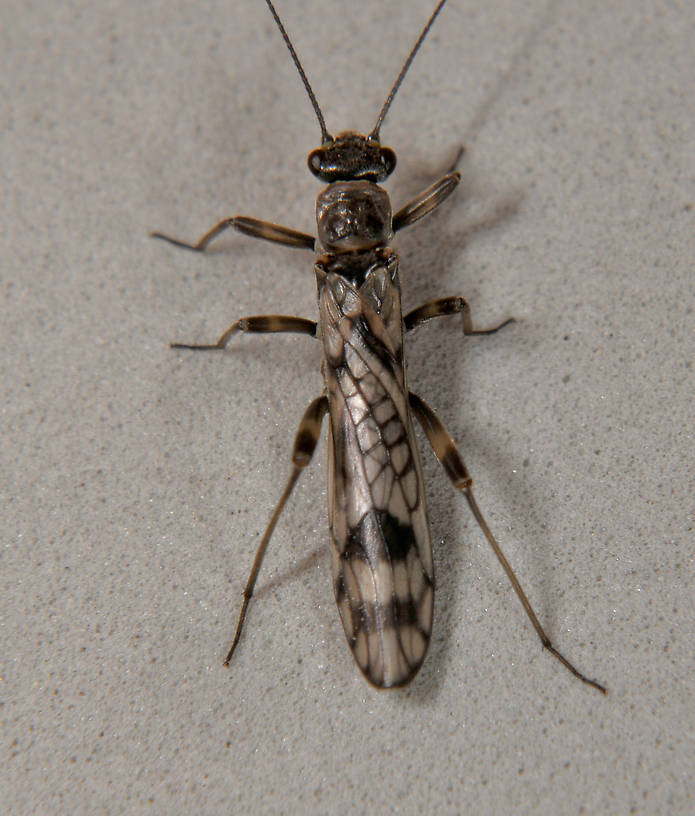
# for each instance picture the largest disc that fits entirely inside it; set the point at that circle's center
(381, 552)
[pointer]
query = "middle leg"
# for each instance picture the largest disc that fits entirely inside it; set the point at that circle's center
(449, 306)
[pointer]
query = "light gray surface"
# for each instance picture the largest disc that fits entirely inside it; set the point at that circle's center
(136, 481)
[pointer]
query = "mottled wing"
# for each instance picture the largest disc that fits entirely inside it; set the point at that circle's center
(382, 557)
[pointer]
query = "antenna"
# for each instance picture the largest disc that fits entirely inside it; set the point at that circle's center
(404, 70)
(325, 135)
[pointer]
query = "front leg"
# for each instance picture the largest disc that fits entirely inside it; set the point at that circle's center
(259, 324)
(249, 226)
(427, 201)
(431, 198)
(448, 306)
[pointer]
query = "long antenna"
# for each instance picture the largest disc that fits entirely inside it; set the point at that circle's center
(325, 136)
(404, 70)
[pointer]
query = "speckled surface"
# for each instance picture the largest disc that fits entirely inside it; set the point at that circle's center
(136, 481)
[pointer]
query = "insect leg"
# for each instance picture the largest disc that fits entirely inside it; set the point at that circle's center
(457, 159)
(304, 446)
(259, 324)
(249, 226)
(448, 306)
(427, 201)
(445, 450)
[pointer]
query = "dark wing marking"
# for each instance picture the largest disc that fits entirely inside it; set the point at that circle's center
(382, 559)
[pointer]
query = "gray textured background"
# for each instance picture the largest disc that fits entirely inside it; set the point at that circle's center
(136, 481)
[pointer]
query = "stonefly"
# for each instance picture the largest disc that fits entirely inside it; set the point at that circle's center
(381, 552)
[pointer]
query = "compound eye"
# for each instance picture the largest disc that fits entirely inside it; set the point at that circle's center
(388, 157)
(315, 161)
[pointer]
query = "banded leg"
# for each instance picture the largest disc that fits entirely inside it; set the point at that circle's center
(304, 446)
(427, 201)
(259, 324)
(449, 306)
(448, 455)
(249, 226)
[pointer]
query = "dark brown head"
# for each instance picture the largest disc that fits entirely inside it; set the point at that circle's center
(352, 157)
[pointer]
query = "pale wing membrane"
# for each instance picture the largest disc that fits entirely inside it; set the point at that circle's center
(382, 560)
